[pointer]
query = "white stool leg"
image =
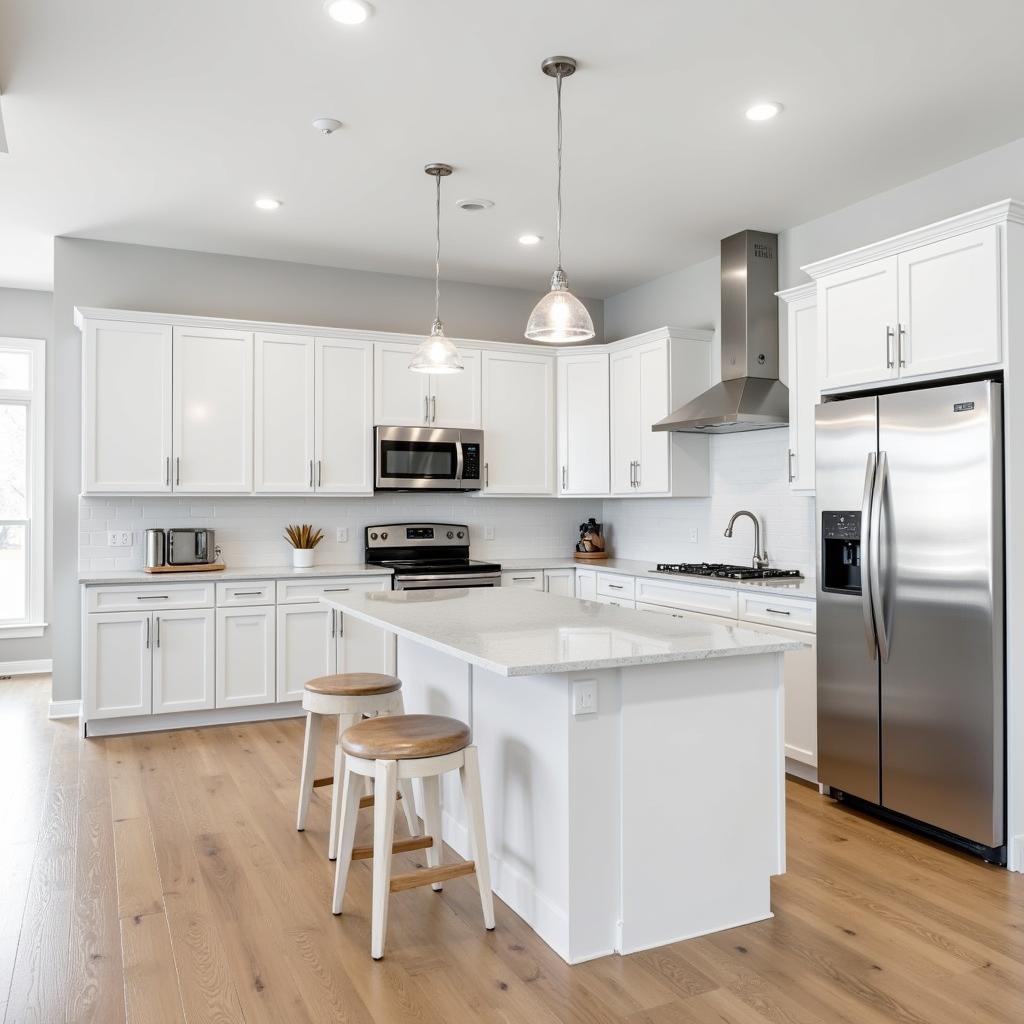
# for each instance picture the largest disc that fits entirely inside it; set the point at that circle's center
(344, 721)
(383, 837)
(470, 775)
(432, 821)
(405, 785)
(350, 786)
(313, 723)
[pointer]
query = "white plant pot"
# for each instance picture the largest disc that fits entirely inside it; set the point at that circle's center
(302, 558)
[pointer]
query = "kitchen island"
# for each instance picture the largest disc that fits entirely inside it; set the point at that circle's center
(632, 764)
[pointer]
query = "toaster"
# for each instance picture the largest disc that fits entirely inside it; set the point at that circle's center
(190, 547)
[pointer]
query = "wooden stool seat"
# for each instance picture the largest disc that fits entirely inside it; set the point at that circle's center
(403, 737)
(354, 684)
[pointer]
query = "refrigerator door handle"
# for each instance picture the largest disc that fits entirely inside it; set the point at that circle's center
(881, 491)
(865, 547)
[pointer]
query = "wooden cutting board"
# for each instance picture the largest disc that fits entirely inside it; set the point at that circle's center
(205, 567)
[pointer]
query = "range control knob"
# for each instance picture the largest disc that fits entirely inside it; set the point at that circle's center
(373, 536)
(384, 535)
(450, 534)
(461, 534)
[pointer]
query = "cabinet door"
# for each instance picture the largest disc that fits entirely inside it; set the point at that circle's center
(361, 647)
(583, 424)
(401, 398)
(857, 318)
(183, 664)
(245, 656)
(283, 445)
(652, 471)
(126, 407)
(213, 387)
(802, 336)
(344, 416)
(455, 397)
(306, 647)
(949, 304)
(118, 665)
(560, 581)
(519, 423)
(624, 370)
(586, 584)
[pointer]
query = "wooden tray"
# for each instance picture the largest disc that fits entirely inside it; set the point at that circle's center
(205, 567)
(590, 556)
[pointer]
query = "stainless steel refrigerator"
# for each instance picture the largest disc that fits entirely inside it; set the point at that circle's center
(911, 690)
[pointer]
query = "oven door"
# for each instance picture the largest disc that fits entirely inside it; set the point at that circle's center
(418, 458)
(447, 580)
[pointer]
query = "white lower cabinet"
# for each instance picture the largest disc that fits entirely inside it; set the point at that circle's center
(118, 665)
(560, 581)
(619, 602)
(246, 643)
(586, 584)
(306, 647)
(530, 579)
(183, 660)
(684, 613)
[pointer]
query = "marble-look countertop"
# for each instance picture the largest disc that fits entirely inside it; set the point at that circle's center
(806, 588)
(265, 572)
(517, 632)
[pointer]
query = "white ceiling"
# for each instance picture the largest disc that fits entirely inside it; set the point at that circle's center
(159, 123)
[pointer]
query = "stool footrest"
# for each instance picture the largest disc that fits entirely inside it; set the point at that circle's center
(398, 846)
(367, 801)
(427, 876)
(327, 780)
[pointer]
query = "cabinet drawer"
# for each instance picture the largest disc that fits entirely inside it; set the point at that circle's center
(245, 593)
(305, 591)
(676, 613)
(688, 597)
(611, 585)
(619, 602)
(530, 579)
(787, 612)
(149, 598)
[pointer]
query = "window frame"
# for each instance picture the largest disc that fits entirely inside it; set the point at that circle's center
(34, 398)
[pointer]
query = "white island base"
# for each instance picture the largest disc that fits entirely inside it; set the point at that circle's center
(657, 817)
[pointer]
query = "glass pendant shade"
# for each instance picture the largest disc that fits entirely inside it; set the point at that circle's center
(436, 354)
(559, 317)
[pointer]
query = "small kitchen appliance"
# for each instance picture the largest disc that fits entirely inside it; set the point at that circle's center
(187, 546)
(428, 556)
(156, 548)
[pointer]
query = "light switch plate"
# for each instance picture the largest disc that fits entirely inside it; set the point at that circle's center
(694, 535)
(342, 535)
(584, 697)
(488, 533)
(119, 538)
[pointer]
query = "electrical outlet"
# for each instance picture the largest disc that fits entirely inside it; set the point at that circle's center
(488, 533)
(584, 697)
(694, 535)
(342, 535)
(119, 538)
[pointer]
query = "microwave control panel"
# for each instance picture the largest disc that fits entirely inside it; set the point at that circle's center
(471, 461)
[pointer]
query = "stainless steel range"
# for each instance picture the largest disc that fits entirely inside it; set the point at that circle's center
(726, 572)
(428, 556)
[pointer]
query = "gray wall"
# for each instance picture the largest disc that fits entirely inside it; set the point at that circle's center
(91, 273)
(29, 314)
(689, 297)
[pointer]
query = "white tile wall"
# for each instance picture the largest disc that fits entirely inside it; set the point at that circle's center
(748, 471)
(250, 529)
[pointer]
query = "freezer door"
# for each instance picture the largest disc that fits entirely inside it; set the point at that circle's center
(848, 756)
(940, 556)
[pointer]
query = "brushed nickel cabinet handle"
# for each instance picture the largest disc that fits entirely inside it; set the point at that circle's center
(177, 471)
(899, 344)
(147, 632)
(564, 485)
(334, 623)
(638, 472)
(789, 463)
(426, 408)
(167, 471)
(341, 624)
(777, 611)
(336, 590)
(889, 335)
(615, 586)
(319, 473)
(152, 597)
(487, 474)
(433, 408)
(157, 641)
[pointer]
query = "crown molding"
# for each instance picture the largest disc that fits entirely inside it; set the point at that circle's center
(1006, 210)
(800, 293)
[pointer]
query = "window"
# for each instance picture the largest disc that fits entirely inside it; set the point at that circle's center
(22, 436)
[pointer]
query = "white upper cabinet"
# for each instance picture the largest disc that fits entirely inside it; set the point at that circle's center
(949, 304)
(583, 424)
(126, 407)
(343, 446)
(801, 315)
(212, 422)
(283, 443)
(518, 422)
(923, 304)
(651, 376)
(402, 398)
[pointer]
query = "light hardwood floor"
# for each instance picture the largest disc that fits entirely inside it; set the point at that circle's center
(160, 878)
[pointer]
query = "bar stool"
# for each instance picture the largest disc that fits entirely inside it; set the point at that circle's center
(390, 751)
(352, 696)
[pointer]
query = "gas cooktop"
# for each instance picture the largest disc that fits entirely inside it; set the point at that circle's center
(726, 572)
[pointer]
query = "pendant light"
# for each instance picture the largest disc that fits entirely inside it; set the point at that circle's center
(437, 354)
(559, 317)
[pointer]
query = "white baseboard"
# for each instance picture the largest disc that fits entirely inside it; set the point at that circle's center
(1015, 853)
(800, 770)
(64, 709)
(41, 666)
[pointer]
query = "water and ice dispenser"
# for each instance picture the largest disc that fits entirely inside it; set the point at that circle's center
(840, 552)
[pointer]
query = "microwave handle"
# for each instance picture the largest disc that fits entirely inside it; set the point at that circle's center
(459, 460)
(201, 546)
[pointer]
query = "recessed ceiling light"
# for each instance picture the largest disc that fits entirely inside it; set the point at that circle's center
(326, 125)
(267, 203)
(348, 12)
(474, 205)
(529, 239)
(763, 111)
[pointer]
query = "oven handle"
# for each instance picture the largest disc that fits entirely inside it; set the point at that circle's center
(436, 582)
(460, 461)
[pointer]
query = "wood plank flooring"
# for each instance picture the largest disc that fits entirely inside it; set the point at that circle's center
(160, 878)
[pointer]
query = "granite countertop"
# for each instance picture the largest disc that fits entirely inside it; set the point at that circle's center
(806, 588)
(517, 632)
(272, 572)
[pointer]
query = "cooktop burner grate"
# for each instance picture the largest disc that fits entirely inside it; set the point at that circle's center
(718, 570)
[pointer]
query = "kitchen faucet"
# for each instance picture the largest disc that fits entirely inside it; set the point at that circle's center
(760, 559)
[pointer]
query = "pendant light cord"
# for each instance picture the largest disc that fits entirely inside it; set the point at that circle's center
(558, 191)
(437, 250)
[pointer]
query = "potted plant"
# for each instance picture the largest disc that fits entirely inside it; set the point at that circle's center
(303, 539)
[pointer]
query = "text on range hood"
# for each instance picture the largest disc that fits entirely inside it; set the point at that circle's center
(750, 395)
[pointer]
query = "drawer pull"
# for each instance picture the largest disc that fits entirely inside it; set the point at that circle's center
(336, 590)
(248, 593)
(152, 597)
(524, 579)
(615, 586)
(777, 611)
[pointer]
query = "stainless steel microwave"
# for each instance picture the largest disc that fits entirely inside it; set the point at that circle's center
(428, 458)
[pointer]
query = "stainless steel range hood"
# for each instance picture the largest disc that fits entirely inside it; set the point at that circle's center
(750, 396)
